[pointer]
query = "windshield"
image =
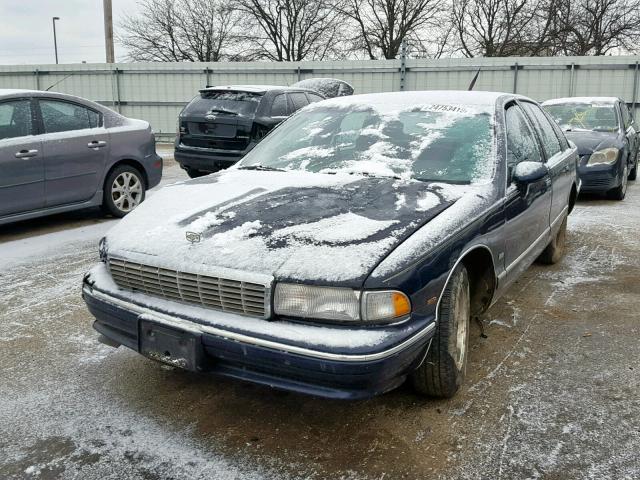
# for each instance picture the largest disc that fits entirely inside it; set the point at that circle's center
(224, 103)
(432, 142)
(584, 116)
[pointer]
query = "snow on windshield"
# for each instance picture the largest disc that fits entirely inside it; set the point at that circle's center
(436, 142)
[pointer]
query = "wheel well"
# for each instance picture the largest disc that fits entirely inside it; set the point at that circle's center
(482, 278)
(573, 196)
(132, 163)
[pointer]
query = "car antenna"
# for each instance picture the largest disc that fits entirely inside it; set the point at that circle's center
(473, 82)
(59, 81)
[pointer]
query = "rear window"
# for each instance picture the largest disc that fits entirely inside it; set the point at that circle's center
(224, 103)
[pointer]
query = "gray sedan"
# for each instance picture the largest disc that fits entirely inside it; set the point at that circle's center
(60, 153)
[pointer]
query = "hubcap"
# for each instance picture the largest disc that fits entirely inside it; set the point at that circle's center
(625, 174)
(462, 326)
(126, 191)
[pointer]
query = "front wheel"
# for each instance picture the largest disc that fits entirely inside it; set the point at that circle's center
(633, 174)
(620, 191)
(445, 366)
(124, 190)
(554, 252)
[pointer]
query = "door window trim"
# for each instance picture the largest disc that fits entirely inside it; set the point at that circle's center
(40, 119)
(34, 129)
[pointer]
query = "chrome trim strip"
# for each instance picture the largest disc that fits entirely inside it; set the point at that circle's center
(239, 337)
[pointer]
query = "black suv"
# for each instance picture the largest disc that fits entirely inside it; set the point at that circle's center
(221, 124)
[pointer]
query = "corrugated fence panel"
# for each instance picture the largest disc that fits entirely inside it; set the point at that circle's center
(157, 91)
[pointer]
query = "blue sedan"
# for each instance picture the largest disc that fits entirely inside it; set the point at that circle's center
(349, 250)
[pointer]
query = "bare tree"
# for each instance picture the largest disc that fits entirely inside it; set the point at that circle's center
(382, 25)
(598, 27)
(501, 28)
(290, 30)
(180, 30)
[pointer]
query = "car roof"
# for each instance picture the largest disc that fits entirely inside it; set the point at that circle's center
(557, 101)
(393, 101)
(16, 91)
(254, 88)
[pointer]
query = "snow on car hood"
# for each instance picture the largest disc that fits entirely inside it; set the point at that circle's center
(296, 226)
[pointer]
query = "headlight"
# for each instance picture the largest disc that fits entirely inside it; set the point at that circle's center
(606, 156)
(102, 249)
(340, 304)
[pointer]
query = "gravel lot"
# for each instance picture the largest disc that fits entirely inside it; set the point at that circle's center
(553, 392)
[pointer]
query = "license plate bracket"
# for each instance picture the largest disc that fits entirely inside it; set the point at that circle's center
(171, 346)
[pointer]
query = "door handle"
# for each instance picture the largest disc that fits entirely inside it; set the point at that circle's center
(96, 144)
(26, 153)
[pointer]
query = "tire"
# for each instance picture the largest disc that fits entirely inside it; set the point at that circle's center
(193, 173)
(443, 370)
(633, 174)
(620, 191)
(554, 252)
(124, 190)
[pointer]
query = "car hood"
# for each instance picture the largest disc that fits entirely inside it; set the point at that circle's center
(589, 142)
(297, 226)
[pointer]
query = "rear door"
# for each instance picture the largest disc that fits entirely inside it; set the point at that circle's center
(21, 160)
(75, 146)
(526, 209)
(299, 100)
(558, 160)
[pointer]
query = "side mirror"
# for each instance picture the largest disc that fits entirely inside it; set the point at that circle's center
(529, 172)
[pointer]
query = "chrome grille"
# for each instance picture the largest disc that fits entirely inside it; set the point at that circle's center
(211, 292)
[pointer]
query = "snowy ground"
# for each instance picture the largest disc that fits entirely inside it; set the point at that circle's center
(553, 392)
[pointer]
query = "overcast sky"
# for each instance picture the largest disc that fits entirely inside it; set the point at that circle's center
(26, 33)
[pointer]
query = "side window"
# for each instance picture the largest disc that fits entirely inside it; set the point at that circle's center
(550, 142)
(521, 142)
(15, 119)
(60, 116)
(314, 98)
(626, 116)
(279, 106)
(564, 143)
(299, 100)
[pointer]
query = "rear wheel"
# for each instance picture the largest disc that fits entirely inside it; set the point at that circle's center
(554, 252)
(124, 190)
(444, 368)
(620, 191)
(193, 173)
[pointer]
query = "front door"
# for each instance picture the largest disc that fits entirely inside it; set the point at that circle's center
(21, 160)
(76, 148)
(527, 207)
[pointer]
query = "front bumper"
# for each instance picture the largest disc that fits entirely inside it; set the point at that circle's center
(347, 373)
(599, 178)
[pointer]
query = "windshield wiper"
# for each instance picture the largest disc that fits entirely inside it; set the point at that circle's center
(221, 110)
(262, 168)
(364, 174)
(441, 180)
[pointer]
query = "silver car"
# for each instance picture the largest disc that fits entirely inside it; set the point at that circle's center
(60, 153)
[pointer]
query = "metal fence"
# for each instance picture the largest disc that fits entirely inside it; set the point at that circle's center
(157, 91)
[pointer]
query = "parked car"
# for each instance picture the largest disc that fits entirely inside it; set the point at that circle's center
(60, 153)
(327, 87)
(348, 250)
(607, 138)
(222, 124)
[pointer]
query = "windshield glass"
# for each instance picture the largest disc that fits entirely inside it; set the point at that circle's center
(432, 142)
(584, 116)
(224, 103)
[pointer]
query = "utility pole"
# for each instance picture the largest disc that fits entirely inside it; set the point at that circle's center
(108, 31)
(55, 40)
